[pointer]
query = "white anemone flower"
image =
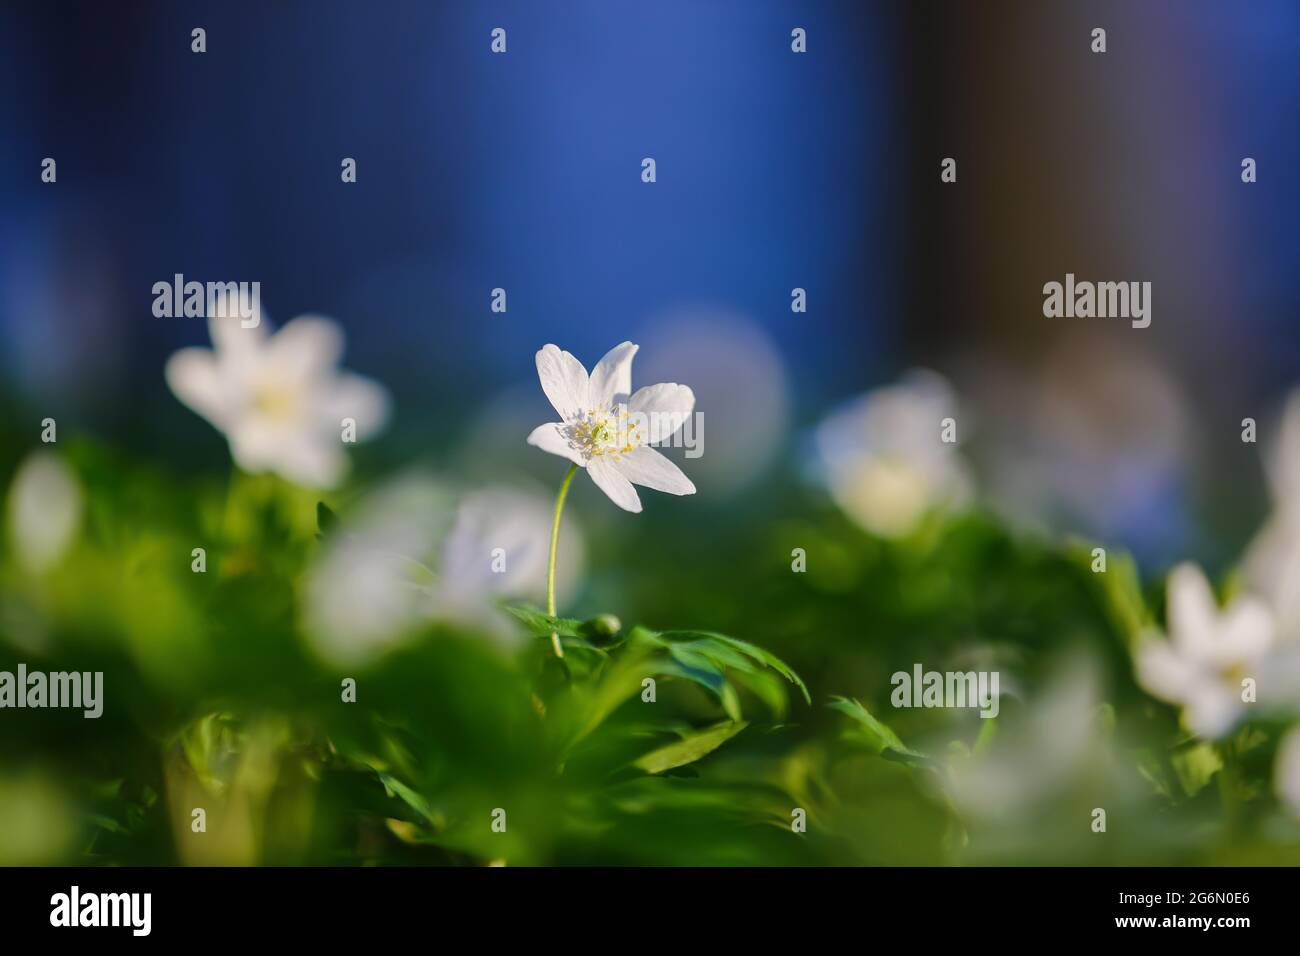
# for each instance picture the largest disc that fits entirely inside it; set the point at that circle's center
(281, 400)
(45, 507)
(1286, 779)
(497, 546)
(1209, 654)
(368, 588)
(607, 429)
(885, 462)
(1033, 760)
(407, 557)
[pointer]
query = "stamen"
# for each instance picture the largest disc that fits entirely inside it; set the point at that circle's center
(604, 432)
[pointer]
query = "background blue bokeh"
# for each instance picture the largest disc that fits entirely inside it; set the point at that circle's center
(774, 171)
(475, 171)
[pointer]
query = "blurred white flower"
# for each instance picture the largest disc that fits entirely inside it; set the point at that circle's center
(498, 544)
(1286, 780)
(1283, 461)
(408, 556)
(1091, 437)
(368, 587)
(1209, 653)
(607, 429)
(280, 399)
(1272, 563)
(1031, 762)
(740, 381)
(45, 505)
(885, 461)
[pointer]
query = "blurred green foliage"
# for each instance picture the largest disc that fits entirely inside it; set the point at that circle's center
(214, 701)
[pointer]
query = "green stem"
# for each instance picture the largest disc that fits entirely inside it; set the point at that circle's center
(555, 545)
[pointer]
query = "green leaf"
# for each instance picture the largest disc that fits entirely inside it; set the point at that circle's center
(542, 624)
(730, 701)
(698, 667)
(1121, 590)
(396, 788)
(326, 519)
(1195, 766)
(106, 823)
(691, 748)
(699, 641)
(988, 733)
(876, 735)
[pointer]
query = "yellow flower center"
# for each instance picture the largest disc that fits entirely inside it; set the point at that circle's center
(276, 401)
(604, 432)
(1233, 673)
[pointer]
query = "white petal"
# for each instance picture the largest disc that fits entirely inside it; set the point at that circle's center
(661, 409)
(1193, 613)
(646, 466)
(193, 376)
(887, 496)
(1287, 772)
(564, 380)
(367, 587)
(611, 379)
(1212, 711)
(232, 339)
(1246, 632)
(609, 480)
(358, 601)
(45, 507)
(256, 443)
(1284, 462)
(498, 523)
(312, 461)
(549, 439)
(1163, 673)
(362, 399)
(308, 345)
(1273, 563)
(313, 458)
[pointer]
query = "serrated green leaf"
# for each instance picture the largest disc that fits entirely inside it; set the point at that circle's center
(694, 639)
(721, 655)
(710, 681)
(698, 667)
(879, 737)
(542, 624)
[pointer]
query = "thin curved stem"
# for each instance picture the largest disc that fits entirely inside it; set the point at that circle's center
(555, 545)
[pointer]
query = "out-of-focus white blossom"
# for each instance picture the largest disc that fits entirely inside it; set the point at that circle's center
(280, 399)
(1286, 774)
(886, 463)
(1210, 652)
(1272, 564)
(740, 381)
(45, 506)
(409, 555)
(1031, 762)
